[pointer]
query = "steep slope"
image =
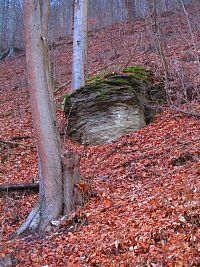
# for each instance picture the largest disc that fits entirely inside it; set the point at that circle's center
(146, 208)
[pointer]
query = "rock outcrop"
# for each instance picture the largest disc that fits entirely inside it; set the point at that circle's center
(107, 108)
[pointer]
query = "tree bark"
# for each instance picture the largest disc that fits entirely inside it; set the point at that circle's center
(3, 8)
(56, 175)
(4, 24)
(130, 6)
(36, 21)
(79, 64)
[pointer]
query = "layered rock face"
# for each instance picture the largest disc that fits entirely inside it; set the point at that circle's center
(109, 107)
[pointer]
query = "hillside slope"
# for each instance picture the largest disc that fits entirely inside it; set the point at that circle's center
(146, 210)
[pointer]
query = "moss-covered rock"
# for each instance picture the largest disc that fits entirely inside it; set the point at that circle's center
(106, 108)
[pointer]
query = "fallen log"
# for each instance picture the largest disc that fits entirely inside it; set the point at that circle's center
(15, 187)
(21, 137)
(14, 144)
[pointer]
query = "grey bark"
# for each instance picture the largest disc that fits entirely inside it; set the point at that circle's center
(79, 64)
(130, 5)
(3, 8)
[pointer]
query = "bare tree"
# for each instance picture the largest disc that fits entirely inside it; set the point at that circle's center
(11, 24)
(192, 35)
(79, 65)
(58, 173)
(130, 5)
(4, 20)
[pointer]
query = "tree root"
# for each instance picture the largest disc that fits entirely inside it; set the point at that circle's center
(31, 223)
(38, 219)
(52, 204)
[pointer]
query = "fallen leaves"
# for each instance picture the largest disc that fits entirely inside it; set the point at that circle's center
(146, 208)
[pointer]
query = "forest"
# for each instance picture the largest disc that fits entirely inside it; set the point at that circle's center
(99, 139)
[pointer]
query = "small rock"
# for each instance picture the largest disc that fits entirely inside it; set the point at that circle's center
(55, 223)
(131, 248)
(103, 177)
(182, 219)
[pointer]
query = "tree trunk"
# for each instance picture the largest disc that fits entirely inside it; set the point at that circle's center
(53, 179)
(79, 65)
(4, 31)
(152, 6)
(130, 6)
(3, 8)
(13, 24)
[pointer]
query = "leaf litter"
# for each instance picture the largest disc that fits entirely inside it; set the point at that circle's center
(146, 208)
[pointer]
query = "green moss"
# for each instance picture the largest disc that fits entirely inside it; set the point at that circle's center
(65, 96)
(116, 81)
(139, 73)
(107, 91)
(128, 81)
(132, 75)
(64, 99)
(93, 79)
(134, 69)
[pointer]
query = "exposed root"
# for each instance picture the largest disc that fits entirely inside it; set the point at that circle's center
(38, 219)
(30, 222)
(52, 206)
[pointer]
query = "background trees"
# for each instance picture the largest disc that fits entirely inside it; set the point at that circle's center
(101, 13)
(11, 23)
(130, 5)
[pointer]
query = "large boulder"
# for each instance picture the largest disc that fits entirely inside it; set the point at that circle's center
(109, 107)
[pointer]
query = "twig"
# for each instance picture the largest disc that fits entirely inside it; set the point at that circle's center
(61, 86)
(190, 113)
(132, 53)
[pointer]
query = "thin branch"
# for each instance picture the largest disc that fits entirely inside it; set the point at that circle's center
(190, 113)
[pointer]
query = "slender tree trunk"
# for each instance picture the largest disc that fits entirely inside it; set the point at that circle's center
(4, 31)
(79, 65)
(151, 6)
(130, 6)
(14, 24)
(56, 171)
(3, 7)
(192, 35)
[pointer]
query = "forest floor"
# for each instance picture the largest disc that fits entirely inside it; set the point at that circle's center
(146, 211)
